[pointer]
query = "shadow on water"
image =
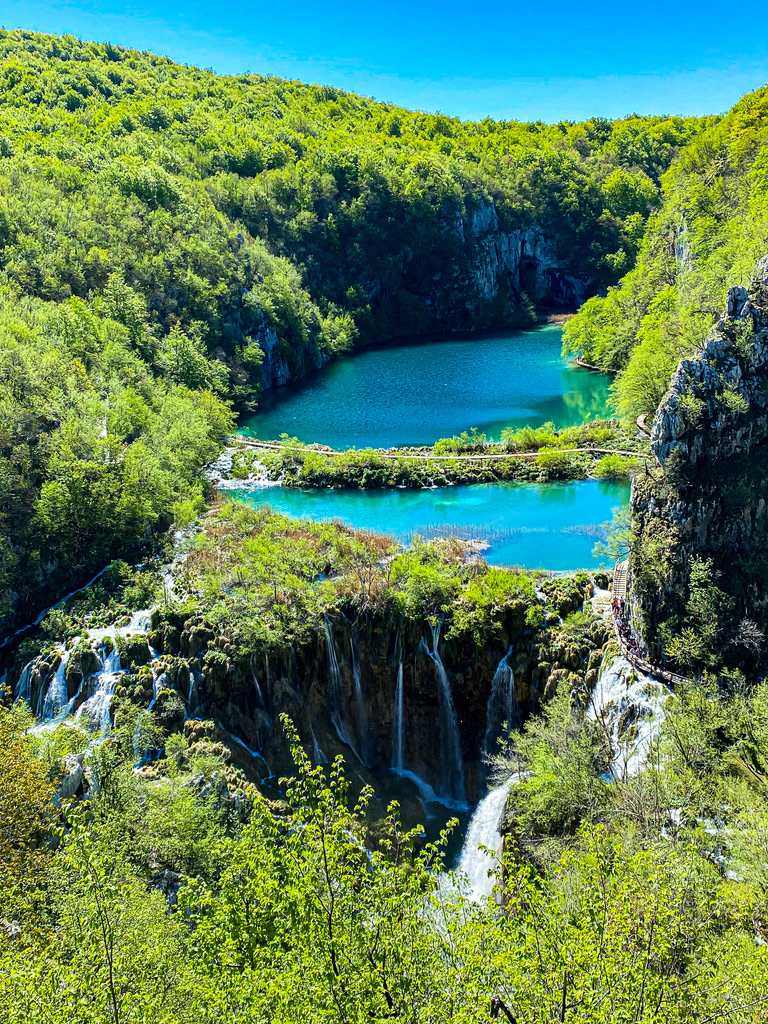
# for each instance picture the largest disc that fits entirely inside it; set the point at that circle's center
(417, 392)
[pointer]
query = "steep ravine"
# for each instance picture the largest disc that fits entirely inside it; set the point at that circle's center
(700, 529)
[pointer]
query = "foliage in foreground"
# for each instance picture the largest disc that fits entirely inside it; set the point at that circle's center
(291, 917)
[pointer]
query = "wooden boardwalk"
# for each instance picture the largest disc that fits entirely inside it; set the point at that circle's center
(331, 452)
(619, 593)
(619, 588)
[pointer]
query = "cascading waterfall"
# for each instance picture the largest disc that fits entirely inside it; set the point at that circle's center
(502, 705)
(56, 697)
(630, 707)
(484, 831)
(397, 745)
(96, 708)
(23, 688)
(337, 690)
(362, 725)
(454, 766)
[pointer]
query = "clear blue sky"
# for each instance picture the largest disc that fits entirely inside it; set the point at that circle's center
(533, 60)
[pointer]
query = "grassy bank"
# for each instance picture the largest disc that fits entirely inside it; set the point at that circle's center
(598, 449)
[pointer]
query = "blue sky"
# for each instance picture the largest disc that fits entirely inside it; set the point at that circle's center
(534, 60)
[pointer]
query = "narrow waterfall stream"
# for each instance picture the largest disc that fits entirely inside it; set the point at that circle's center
(483, 831)
(362, 725)
(502, 705)
(397, 752)
(454, 766)
(337, 691)
(56, 699)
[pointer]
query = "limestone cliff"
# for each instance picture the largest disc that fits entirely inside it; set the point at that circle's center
(701, 508)
(482, 274)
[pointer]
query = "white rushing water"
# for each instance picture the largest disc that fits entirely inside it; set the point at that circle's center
(453, 761)
(479, 866)
(56, 698)
(397, 752)
(90, 704)
(630, 707)
(337, 691)
(362, 725)
(94, 712)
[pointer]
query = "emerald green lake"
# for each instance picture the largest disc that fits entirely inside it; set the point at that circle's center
(418, 392)
(552, 526)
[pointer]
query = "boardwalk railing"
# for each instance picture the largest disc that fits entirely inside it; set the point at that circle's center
(331, 452)
(619, 593)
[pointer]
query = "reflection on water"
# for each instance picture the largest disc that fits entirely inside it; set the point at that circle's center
(551, 526)
(416, 393)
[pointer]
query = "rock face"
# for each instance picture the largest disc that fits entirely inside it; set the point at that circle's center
(495, 273)
(282, 363)
(705, 499)
(369, 688)
(481, 275)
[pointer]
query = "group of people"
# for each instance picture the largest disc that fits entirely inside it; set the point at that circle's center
(619, 607)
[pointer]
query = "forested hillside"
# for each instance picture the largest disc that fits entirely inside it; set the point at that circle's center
(171, 239)
(708, 235)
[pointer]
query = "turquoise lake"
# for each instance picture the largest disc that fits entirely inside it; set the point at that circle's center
(536, 526)
(418, 392)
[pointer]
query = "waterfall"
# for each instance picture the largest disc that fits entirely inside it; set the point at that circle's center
(56, 697)
(112, 660)
(162, 681)
(192, 695)
(397, 745)
(337, 690)
(484, 830)
(502, 705)
(96, 708)
(630, 707)
(317, 750)
(362, 725)
(454, 767)
(23, 688)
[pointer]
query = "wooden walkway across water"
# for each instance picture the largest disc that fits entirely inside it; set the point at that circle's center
(276, 446)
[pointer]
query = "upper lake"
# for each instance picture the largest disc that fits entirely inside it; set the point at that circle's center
(416, 392)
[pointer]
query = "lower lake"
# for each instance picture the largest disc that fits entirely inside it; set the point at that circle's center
(536, 526)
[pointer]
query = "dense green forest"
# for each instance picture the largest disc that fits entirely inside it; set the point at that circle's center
(708, 235)
(161, 228)
(178, 891)
(181, 841)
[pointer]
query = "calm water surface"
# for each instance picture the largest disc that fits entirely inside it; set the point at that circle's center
(551, 526)
(416, 393)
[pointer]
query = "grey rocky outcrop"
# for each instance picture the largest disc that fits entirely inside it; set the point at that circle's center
(706, 497)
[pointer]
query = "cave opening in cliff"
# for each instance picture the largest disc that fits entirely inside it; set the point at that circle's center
(528, 277)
